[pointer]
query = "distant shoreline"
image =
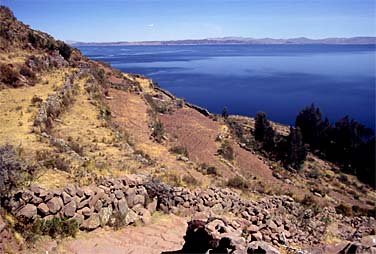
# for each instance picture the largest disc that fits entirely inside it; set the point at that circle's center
(238, 41)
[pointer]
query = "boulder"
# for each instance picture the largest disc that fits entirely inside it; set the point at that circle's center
(66, 197)
(69, 209)
(43, 209)
(131, 217)
(55, 204)
(369, 240)
(105, 215)
(119, 194)
(122, 207)
(152, 206)
(91, 223)
(29, 211)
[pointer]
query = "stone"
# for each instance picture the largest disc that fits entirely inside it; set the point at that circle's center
(71, 190)
(139, 199)
(119, 194)
(261, 247)
(29, 211)
(66, 197)
(98, 206)
(91, 223)
(152, 206)
(253, 228)
(122, 207)
(69, 209)
(80, 192)
(130, 195)
(105, 215)
(83, 203)
(93, 200)
(55, 204)
(217, 209)
(27, 196)
(79, 218)
(369, 240)
(257, 236)
(86, 211)
(131, 217)
(43, 209)
(36, 200)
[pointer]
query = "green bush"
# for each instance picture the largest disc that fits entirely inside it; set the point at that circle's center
(208, 170)
(344, 209)
(227, 151)
(56, 227)
(238, 182)
(9, 75)
(180, 150)
(158, 132)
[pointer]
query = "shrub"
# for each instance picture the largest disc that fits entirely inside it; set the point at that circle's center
(158, 132)
(8, 75)
(344, 209)
(55, 227)
(65, 51)
(180, 150)
(208, 170)
(76, 147)
(237, 182)
(226, 151)
(27, 72)
(190, 180)
(14, 172)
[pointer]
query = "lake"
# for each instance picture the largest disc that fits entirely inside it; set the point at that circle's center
(277, 79)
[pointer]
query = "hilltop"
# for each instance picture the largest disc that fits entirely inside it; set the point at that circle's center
(238, 41)
(85, 147)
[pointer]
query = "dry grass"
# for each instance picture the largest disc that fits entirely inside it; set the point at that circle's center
(18, 115)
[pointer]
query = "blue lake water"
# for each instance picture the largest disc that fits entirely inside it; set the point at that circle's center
(277, 79)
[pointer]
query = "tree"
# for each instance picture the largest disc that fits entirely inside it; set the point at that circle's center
(296, 151)
(225, 113)
(311, 125)
(261, 124)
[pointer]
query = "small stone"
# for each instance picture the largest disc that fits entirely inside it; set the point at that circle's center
(91, 223)
(43, 208)
(70, 209)
(152, 206)
(119, 194)
(66, 197)
(257, 236)
(55, 204)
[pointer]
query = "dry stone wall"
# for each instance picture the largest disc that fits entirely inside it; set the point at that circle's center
(278, 219)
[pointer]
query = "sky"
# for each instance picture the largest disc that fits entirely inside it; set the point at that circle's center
(144, 20)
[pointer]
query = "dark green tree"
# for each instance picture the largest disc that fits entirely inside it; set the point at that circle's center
(296, 151)
(225, 113)
(261, 124)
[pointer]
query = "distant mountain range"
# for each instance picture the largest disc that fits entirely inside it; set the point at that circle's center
(235, 40)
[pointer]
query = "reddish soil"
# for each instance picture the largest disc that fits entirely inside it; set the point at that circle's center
(198, 134)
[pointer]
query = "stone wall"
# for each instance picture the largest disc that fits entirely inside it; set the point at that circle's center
(274, 219)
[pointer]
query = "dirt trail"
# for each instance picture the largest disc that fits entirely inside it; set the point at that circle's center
(165, 233)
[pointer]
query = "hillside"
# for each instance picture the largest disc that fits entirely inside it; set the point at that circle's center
(85, 147)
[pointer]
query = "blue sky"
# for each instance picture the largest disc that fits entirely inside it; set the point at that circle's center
(134, 20)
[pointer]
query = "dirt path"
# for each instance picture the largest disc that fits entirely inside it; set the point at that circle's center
(165, 233)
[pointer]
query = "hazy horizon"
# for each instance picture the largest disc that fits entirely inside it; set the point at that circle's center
(157, 20)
